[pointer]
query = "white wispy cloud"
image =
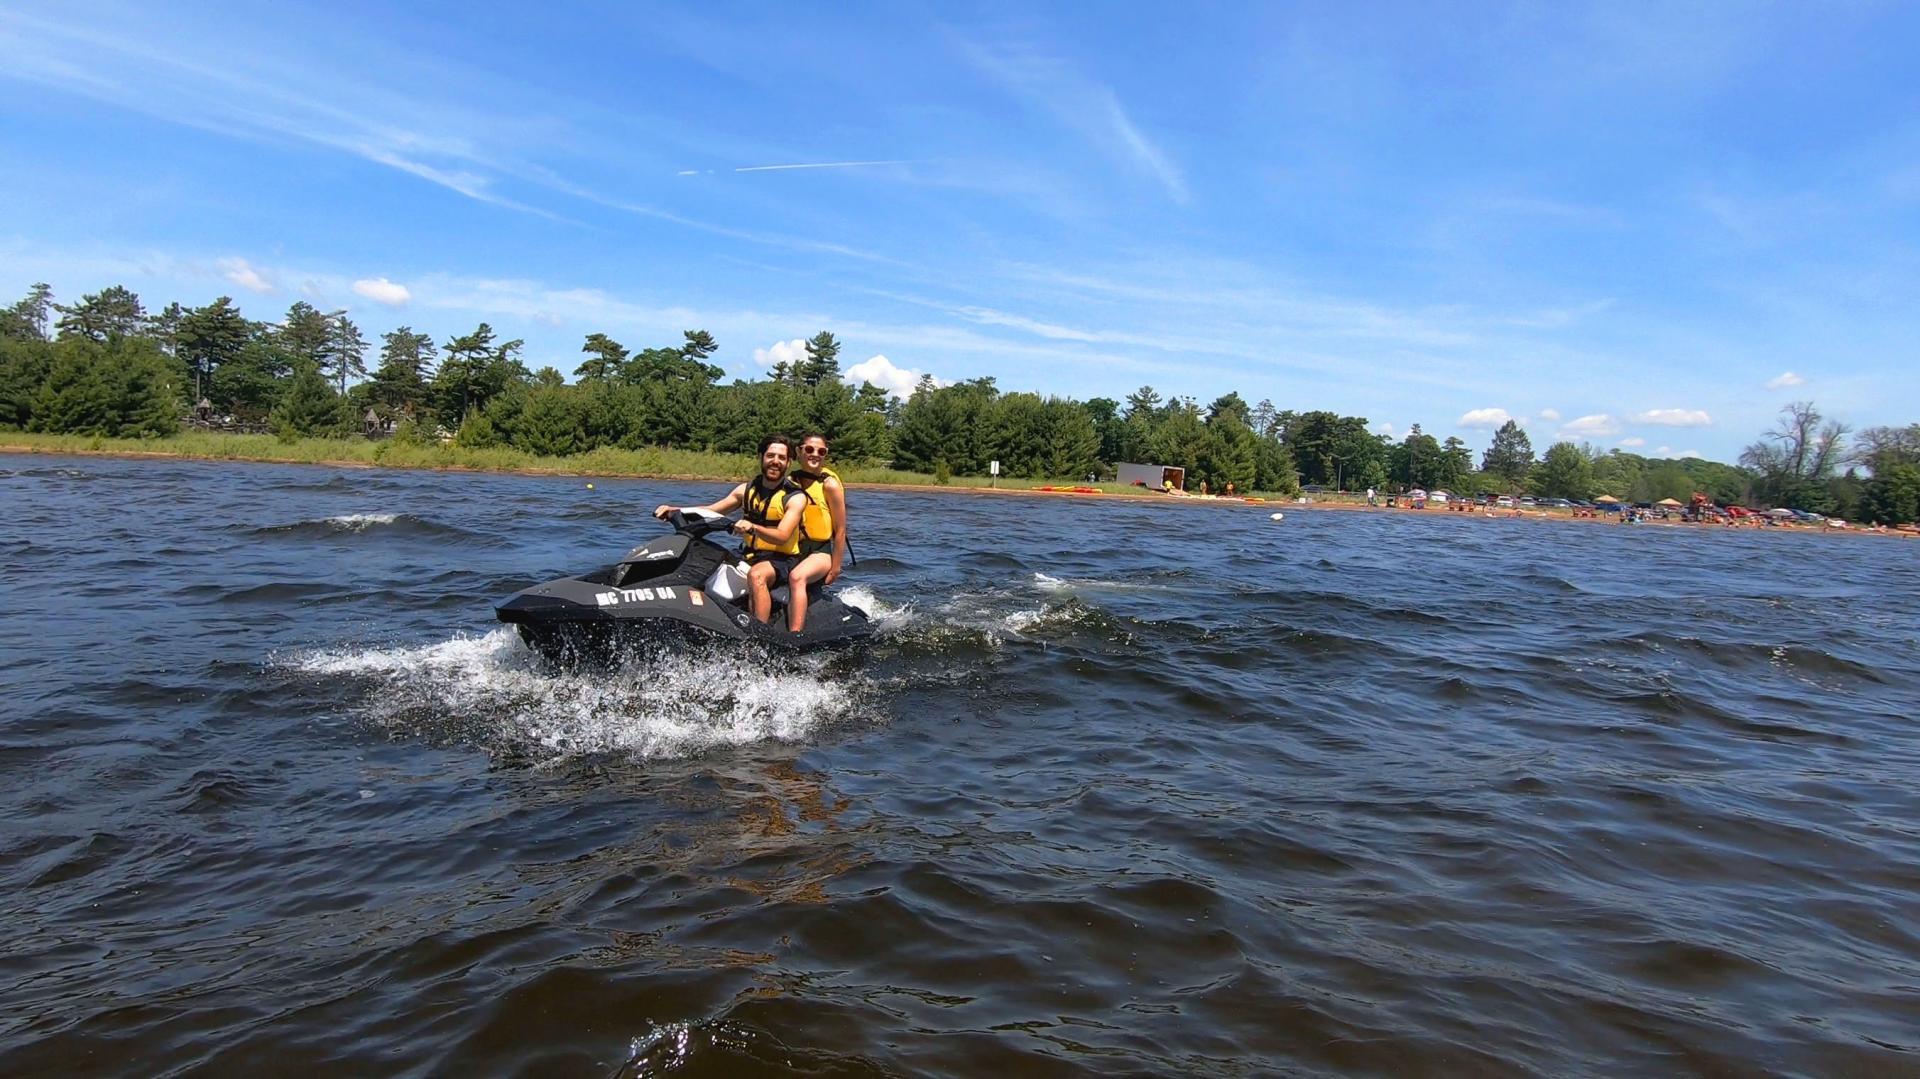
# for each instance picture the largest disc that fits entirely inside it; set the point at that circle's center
(1595, 426)
(242, 273)
(816, 165)
(1551, 415)
(1670, 453)
(1483, 417)
(884, 373)
(1089, 107)
(192, 85)
(381, 290)
(1674, 417)
(1632, 441)
(1785, 380)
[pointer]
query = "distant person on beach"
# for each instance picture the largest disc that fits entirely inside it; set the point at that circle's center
(771, 506)
(1372, 497)
(823, 525)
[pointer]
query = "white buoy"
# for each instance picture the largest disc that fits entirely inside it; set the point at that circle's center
(1277, 517)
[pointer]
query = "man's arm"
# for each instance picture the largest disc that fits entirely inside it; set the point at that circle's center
(726, 504)
(776, 535)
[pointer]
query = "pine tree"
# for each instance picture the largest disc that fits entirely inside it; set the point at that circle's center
(308, 406)
(609, 359)
(346, 351)
(27, 320)
(823, 360)
(1510, 456)
(207, 337)
(101, 316)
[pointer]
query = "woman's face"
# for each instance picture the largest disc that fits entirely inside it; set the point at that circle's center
(813, 453)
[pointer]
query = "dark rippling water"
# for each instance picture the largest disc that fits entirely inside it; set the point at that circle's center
(1121, 789)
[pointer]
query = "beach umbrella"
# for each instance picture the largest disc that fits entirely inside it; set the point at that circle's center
(1608, 499)
(1673, 502)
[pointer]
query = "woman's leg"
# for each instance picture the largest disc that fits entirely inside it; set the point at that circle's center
(805, 572)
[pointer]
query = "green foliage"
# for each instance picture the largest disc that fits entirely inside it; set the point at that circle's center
(308, 406)
(476, 432)
(123, 387)
(1892, 497)
(1564, 472)
(551, 423)
(24, 363)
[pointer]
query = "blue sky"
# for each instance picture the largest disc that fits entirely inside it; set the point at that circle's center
(1614, 222)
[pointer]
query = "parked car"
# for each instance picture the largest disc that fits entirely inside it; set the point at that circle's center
(1438, 498)
(1505, 502)
(1559, 503)
(1528, 500)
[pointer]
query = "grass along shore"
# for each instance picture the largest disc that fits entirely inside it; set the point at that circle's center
(654, 463)
(650, 463)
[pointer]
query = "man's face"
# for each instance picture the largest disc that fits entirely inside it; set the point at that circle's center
(773, 463)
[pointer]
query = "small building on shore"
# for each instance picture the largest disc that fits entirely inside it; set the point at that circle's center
(1152, 477)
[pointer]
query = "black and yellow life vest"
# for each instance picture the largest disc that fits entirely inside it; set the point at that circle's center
(816, 521)
(767, 508)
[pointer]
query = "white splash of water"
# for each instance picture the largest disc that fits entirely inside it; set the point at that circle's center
(360, 522)
(493, 689)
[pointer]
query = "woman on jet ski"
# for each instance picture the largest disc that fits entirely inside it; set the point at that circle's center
(823, 525)
(771, 506)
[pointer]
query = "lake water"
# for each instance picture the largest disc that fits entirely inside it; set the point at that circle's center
(1121, 788)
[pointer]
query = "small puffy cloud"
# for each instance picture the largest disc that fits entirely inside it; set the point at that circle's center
(1484, 417)
(240, 272)
(1384, 429)
(898, 381)
(381, 290)
(1598, 425)
(1785, 380)
(1551, 415)
(1675, 417)
(787, 352)
(1669, 452)
(1636, 440)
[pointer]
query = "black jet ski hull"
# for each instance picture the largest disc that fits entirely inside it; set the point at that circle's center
(658, 595)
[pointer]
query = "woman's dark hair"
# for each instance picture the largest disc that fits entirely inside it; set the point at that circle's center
(811, 435)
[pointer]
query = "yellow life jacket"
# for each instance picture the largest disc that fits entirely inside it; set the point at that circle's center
(816, 521)
(767, 508)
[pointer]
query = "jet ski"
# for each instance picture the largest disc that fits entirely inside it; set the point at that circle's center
(680, 588)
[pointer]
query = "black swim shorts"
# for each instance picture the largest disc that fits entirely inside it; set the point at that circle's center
(782, 566)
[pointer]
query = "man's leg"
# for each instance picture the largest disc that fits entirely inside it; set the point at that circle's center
(760, 590)
(809, 568)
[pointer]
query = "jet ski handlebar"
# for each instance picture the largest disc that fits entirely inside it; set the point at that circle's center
(699, 522)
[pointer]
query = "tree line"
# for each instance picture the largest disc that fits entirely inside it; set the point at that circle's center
(105, 365)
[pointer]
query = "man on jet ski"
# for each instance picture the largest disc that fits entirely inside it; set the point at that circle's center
(771, 506)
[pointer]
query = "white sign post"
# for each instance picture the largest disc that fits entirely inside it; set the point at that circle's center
(993, 469)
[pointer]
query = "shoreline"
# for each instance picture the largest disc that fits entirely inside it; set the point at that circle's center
(1103, 495)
